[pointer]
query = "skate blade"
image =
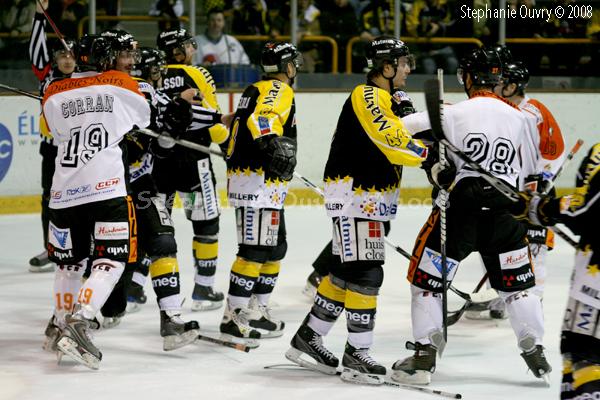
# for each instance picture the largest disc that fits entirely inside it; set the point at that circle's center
(418, 378)
(250, 343)
(546, 379)
(40, 269)
(265, 334)
(206, 305)
(110, 322)
(309, 292)
(174, 342)
(361, 378)
(298, 357)
(132, 307)
(70, 348)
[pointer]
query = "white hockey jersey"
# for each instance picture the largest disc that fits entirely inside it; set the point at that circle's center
(490, 130)
(88, 117)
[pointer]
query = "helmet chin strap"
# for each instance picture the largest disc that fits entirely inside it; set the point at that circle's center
(391, 79)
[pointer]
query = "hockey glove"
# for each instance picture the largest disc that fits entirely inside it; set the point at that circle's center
(280, 154)
(443, 175)
(402, 104)
(177, 117)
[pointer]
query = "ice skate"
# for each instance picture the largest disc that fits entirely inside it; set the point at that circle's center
(177, 333)
(52, 334)
(111, 322)
(204, 298)
(236, 324)
(76, 341)
(262, 320)
(359, 367)
(308, 351)
(312, 283)
(41, 263)
(135, 297)
(416, 369)
(537, 363)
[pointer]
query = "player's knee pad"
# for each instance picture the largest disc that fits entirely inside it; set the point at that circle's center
(94, 292)
(161, 246)
(526, 317)
(164, 273)
(67, 281)
(426, 314)
(206, 228)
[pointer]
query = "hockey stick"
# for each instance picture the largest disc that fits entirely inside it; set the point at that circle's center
(443, 204)
(181, 142)
(387, 382)
(19, 91)
(55, 29)
(454, 316)
(485, 297)
(568, 159)
(226, 343)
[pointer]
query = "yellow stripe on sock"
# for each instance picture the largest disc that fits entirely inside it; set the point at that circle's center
(332, 292)
(245, 267)
(164, 266)
(358, 301)
(567, 367)
(205, 251)
(270, 268)
(586, 375)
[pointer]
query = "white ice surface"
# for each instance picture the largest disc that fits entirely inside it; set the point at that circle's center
(481, 360)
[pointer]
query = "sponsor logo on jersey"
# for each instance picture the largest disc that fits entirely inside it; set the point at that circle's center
(267, 280)
(250, 226)
(103, 266)
(514, 259)
(269, 232)
(370, 239)
(263, 125)
(6, 151)
(79, 190)
(56, 194)
(590, 291)
(107, 184)
(328, 305)
(62, 255)
(363, 318)
(111, 231)
(247, 284)
(436, 260)
(347, 239)
(171, 281)
(118, 250)
(173, 82)
(420, 151)
(60, 238)
(243, 196)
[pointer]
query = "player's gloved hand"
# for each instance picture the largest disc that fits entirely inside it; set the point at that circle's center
(520, 208)
(443, 175)
(280, 153)
(177, 117)
(402, 104)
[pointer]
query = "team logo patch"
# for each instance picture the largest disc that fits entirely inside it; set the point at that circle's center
(60, 238)
(436, 260)
(264, 126)
(420, 151)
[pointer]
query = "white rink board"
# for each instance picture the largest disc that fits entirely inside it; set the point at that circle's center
(317, 115)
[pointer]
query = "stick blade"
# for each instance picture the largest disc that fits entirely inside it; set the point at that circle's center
(432, 100)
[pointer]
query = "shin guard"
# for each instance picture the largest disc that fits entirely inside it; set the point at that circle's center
(328, 305)
(164, 273)
(266, 282)
(205, 250)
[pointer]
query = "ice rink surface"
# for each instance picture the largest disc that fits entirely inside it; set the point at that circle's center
(481, 360)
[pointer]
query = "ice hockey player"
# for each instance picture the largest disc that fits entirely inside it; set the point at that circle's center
(190, 172)
(492, 131)
(261, 157)
(60, 63)
(579, 342)
(89, 115)
(362, 179)
(549, 142)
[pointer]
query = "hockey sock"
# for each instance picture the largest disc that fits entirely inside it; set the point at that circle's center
(142, 268)
(266, 281)
(205, 250)
(67, 282)
(361, 307)
(327, 306)
(426, 314)
(525, 313)
(94, 292)
(165, 281)
(539, 253)
(566, 387)
(243, 277)
(586, 380)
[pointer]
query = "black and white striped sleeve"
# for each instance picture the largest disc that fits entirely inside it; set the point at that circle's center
(38, 48)
(201, 117)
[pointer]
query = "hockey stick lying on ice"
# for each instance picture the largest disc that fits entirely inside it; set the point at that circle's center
(484, 297)
(389, 383)
(23, 92)
(237, 346)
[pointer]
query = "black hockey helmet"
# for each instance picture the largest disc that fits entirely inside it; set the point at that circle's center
(170, 40)
(58, 48)
(483, 65)
(275, 57)
(94, 53)
(517, 73)
(121, 41)
(504, 53)
(152, 63)
(386, 49)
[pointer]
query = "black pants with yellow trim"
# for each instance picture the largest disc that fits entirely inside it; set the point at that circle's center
(581, 366)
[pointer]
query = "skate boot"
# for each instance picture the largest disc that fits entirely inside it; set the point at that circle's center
(176, 332)
(312, 283)
(236, 323)
(39, 263)
(135, 297)
(359, 367)
(76, 341)
(537, 363)
(308, 351)
(262, 320)
(205, 298)
(111, 322)
(416, 369)
(52, 334)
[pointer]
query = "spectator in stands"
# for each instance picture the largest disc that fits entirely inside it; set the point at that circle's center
(171, 9)
(377, 18)
(432, 18)
(15, 19)
(478, 28)
(251, 17)
(339, 21)
(67, 14)
(110, 8)
(215, 46)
